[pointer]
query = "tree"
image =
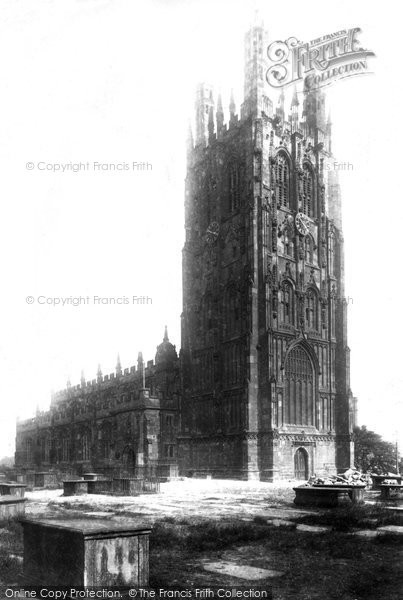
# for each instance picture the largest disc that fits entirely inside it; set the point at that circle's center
(7, 461)
(372, 453)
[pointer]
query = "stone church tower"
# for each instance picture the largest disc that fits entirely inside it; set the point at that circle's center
(265, 361)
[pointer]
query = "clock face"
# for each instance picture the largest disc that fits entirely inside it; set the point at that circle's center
(302, 223)
(212, 232)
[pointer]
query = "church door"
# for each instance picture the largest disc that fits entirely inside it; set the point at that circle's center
(301, 464)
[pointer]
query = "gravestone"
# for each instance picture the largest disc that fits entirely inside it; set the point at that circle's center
(75, 487)
(85, 552)
(11, 506)
(240, 571)
(13, 489)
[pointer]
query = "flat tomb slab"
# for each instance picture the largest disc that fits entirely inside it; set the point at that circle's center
(378, 480)
(75, 487)
(366, 533)
(240, 571)
(89, 553)
(11, 506)
(397, 529)
(355, 492)
(389, 491)
(15, 489)
(326, 496)
(313, 528)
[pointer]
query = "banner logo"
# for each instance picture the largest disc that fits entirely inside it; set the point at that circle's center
(319, 62)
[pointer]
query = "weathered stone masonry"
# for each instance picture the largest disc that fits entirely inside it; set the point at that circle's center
(125, 422)
(261, 389)
(264, 344)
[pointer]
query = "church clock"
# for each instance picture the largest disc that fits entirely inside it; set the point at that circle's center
(212, 232)
(302, 223)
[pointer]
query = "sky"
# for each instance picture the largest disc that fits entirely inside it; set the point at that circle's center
(93, 83)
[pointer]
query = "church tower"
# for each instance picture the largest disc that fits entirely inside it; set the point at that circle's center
(265, 362)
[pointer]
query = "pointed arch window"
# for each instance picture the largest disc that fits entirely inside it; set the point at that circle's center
(307, 191)
(65, 449)
(233, 187)
(106, 439)
(85, 446)
(287, 303)
(28, 449)
(311, 309)
(299, 388)
(309, 249)
(282, 180)
(232, 305)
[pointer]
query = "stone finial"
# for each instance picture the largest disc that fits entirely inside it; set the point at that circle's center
(141, 368)
(232, 106)
(190, 141)
(118, 366)
(219, 116)
(210, 125)
(294, 101)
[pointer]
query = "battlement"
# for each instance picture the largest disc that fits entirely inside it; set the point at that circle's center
(87, 387)
(302, 114)
(105, 392)
(62, 412)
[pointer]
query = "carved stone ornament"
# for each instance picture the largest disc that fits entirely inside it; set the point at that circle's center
(312, 277)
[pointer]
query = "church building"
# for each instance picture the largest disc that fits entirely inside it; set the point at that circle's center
(265, 358)
(260, 389)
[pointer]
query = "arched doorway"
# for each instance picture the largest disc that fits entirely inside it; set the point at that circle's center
(301, 467)
(128, 458)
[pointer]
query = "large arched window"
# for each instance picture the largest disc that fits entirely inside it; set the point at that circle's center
(234, 191)
(311, 309)
(28, 450)
(106, 438)
(287, 303)
(282, 180)
(308, 191)
(299, 388)
(85, 446)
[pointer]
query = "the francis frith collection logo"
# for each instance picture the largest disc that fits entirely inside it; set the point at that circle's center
(319, 62)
